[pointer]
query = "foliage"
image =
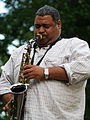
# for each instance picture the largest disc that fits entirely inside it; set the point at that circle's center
(17, 24)
(3, 115)
(87, 112)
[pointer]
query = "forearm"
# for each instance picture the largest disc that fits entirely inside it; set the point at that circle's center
(37, 72)
(57, 73)
(6, 97)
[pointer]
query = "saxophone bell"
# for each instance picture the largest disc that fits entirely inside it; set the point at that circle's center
(17, 104)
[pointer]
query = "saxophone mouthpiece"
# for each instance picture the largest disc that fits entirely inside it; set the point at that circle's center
(38, 37)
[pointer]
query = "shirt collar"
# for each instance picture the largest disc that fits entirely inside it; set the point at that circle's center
(45, 48)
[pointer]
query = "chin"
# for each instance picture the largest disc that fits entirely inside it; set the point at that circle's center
(42, 45)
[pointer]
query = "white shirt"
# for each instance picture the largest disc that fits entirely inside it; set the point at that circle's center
(52, 99)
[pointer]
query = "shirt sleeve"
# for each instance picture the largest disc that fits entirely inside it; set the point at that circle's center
(9, 70)
(78, 68)
(6, 79)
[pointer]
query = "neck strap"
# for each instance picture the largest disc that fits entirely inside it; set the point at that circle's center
(35, 45)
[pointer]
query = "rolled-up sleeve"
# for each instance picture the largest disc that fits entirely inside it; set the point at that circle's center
(78, 68)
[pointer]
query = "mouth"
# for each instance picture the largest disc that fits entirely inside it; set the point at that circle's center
(41, 36)
(44, 36)
(42, 42)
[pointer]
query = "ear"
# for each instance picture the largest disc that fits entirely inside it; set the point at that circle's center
(59, 24)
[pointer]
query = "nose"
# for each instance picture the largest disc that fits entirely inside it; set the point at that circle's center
(41, 30)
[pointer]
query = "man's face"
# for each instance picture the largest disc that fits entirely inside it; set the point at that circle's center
(48, 28)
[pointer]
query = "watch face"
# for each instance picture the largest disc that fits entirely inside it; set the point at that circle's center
(46, 73)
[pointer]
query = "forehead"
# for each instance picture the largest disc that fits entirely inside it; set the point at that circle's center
(47, 19)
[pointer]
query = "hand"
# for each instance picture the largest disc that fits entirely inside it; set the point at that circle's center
(33, 72)
(8, 107)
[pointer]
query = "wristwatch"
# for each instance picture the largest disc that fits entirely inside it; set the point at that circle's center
(46, 73)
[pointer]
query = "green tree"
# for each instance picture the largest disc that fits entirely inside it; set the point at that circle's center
(17, 24)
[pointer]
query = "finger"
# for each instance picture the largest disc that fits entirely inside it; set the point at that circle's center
(5, 108)
(27, 67)
(27, 71)
(10, 107)
(29, 76)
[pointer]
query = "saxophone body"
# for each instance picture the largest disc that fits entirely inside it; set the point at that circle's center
(19, 89)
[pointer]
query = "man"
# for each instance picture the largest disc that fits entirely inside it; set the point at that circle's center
(58, 74)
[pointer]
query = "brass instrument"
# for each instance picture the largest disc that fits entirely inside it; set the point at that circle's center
(19, 90)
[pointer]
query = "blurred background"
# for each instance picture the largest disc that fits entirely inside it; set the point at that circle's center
(16, 28)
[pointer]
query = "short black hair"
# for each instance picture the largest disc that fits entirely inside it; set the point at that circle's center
(48, 10)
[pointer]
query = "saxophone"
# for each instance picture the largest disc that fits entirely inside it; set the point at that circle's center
(19, 89)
